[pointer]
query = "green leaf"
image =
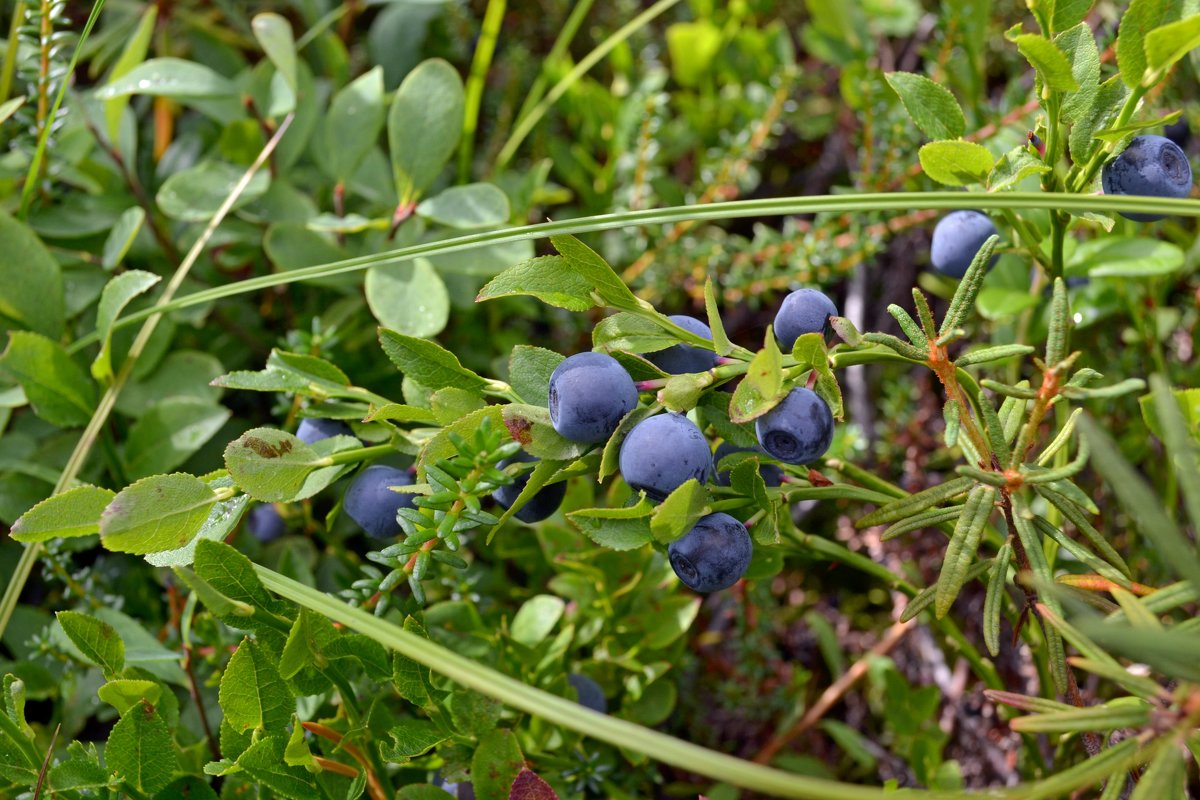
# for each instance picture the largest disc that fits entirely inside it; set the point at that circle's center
(1165, 777)
(529, 371)
(810, 352)
(1050, 62)
(1121, 132)
(631, 333)
(253, 695)
(931, 105)
(75, 512)
(536, 618)
(408, 297)
(424, 125)
(531, 426)
(351, 127)
(692, 47)
(993, 604)
(761, 388)
(97, 641)
(124, 693)
(604, 282)
(721, 344)
(496, 763)
(679, 513)
(1180, 434)
(398, 412)
(428, 363)
(411, 737)
(475, 205)
(956, 163)
(914, 503)
(31, 284)
(274, 466)
(308, 638)
(441, 446)
(1079, 44)
(140, 751)
(221, 521)
(134, 53)
(196, 193)
(1140, 18)
(169, 77)
(264, 763)
(986, 355)
(548, 278)
(1167, 44)
(615, 528)
(1109, 716)
(1069, 12)
(58, 388)
(183, 373)
(1013, 167)
(121, 238)
(169, 434)
(964, 544)
(154, 514)
(274, 35)
(232, 574)
(1125, 257)
(1102, 110)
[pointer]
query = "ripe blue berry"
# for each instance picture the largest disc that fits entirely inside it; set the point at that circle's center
(682, 359)
(264, 523)
(373, 505)
(314, 429)
(797, 431)
(712, 556)
(772, 475)
(956, 239)
(589, 393)
(542, 505)
(588, 692)
(663, 452)
(1151, 166)
(803, 311)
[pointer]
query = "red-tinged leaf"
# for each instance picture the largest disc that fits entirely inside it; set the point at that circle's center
(528, 786)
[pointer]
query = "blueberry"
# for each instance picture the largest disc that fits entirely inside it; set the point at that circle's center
(1151, 166)
(712, 556)
(589, 393)
(803, 311)
(682, 359)
(588, 692)
(797, 431)
(371, 504)
(663, 452)
(314, 429)
(542, 505)
(957, 238)
(772, 475)
(463, 791)
(264, 523)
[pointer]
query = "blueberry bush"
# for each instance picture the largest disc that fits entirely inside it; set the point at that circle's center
(573, 400)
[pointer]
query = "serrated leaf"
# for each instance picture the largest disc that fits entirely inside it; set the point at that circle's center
(159, 513)
(496, 763)
(810, 351)
(529, 371)
(548, 278)
(1102, 110)
(58, 388)
(125, 693)
(679, 512)
(761, 388)
(531, 426)
(253, 695)
(428, 363)
(1079, 44)
(1050, 62)
(596, 272)
(221, 521)
(1013, 167)
(931, 105)
(411, 737)
(424, 125)
(75, 512)
(264, 763)
(1140, 18)
(140, 750)
(964, 544)
(721, 344)
(1168, 43)
(956, 163)
(98, 641)
(615, 528)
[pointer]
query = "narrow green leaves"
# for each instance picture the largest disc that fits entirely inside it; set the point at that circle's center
(424, 126)
(154, 514)
(98, 641)
(986, 355)
(1165, 777)
(1117, 714)
(960, 553)
(253, 695)
(993, 603)
(427, 362)
(968, 288)
(909, 506)
(955, 162)
(58, 388)
(75, 512)
(931, 105)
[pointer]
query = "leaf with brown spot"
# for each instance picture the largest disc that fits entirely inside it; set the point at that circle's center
(528, 786)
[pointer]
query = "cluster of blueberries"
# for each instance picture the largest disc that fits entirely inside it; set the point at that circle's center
(1151, 166)
(589, 394)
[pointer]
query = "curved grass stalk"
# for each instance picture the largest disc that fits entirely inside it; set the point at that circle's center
(734, 209)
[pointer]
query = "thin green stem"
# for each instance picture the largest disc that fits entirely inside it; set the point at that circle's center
(474, 91)
(9, 67)
(734, 209)
(526, 125)
(356, 455)
(83, 447)
(561, 43)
